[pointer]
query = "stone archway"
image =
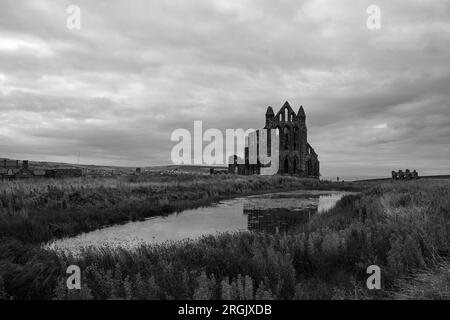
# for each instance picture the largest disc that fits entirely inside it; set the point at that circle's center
(294, 167)
(286, 165)
(309, 168)
(295, 138)
(286, 137)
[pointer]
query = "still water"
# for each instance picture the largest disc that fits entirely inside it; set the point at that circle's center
(273, 212)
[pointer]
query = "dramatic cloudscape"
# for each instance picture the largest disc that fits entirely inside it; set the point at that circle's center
(113, 91)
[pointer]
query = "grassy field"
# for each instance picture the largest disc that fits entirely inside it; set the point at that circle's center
(403, 227)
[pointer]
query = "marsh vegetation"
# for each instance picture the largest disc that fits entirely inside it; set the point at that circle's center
(403, 227)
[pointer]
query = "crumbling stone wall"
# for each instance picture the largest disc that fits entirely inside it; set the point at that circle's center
(297, 156)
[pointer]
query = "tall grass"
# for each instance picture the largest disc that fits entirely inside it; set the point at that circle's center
(430, 284)
(400, 226)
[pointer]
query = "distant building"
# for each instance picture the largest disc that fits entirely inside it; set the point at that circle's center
(296, 155)
(407, 175)
(16, 169)
(12, 169)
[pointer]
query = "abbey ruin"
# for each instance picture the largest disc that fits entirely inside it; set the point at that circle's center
(296, 156)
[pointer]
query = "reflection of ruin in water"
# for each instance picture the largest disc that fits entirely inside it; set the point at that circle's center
(277, 220)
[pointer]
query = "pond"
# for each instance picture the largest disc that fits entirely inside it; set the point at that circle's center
(273, 212)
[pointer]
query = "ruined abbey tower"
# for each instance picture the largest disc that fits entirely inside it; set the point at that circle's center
(296, 154)
(297, 157)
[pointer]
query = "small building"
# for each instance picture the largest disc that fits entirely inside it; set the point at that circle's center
(10, 169)
(16, 169)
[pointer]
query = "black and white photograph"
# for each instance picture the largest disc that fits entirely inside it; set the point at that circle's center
(241, 151)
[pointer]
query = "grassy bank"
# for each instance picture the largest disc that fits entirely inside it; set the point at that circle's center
(402, 227)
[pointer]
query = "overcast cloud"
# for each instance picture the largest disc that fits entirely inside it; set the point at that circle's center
(116, 89)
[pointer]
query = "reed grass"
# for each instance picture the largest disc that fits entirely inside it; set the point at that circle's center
(402, 227)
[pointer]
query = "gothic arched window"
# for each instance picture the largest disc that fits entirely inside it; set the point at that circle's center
(286, 165)
(286, 138)
(296, 138)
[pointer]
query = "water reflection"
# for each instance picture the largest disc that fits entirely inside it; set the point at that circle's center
(275, 221)
(287, 211)
(276, 212)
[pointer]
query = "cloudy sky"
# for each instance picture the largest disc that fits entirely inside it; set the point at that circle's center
(114, 91)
